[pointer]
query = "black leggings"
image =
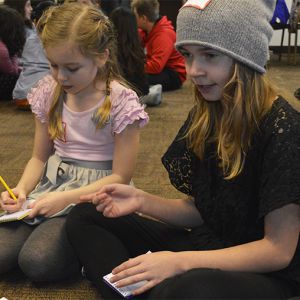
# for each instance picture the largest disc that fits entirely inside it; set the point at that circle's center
(103, 243)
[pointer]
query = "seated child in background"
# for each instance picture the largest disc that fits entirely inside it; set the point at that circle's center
(25, 9)
(131, 56)
(34, 63)
(12, 39)
(164, 64)
(86, 135)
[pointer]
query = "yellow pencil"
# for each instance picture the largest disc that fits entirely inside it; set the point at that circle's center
(8, 189)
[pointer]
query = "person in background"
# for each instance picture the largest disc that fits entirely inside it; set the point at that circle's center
(295, 16)
(11, 47)
(237, 158)
(164, 64)
(34, 64)
(25, 9)
(34, 4)
(107, 6)
(131, 56)
(87, 124)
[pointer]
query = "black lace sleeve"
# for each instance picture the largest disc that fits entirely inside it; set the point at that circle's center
(178, 161)
(280, 184)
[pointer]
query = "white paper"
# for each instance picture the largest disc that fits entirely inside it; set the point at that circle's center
(17, 215)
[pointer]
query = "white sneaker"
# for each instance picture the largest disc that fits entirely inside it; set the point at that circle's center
(154, 97)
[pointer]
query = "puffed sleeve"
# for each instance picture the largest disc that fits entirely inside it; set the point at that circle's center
(126, 109)
(40, 97)
(280, 183)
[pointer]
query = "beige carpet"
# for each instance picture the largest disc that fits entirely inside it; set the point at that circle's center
(16, 137)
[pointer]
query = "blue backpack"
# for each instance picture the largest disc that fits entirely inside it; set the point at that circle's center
(281, 13)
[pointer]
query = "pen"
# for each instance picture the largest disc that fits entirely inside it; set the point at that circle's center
(8, 189)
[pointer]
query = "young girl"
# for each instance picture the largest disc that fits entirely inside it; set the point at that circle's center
(87, 133)
(11, 46)
(237, 158)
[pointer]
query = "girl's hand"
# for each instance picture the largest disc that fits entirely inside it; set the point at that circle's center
(115, 200)
(153, 267)
(47, 205)
(10, 205)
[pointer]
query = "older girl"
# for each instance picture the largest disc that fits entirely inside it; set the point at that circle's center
(237, 157)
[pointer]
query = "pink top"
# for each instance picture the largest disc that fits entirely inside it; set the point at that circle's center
(81, 139)
(8, 65)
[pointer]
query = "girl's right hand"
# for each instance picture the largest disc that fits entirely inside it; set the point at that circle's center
(115, 200)
(10, 205)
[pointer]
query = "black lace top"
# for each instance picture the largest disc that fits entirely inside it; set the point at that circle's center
(233, 210)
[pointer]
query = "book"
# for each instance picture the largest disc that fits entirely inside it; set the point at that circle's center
(125, 291)
(16, 216)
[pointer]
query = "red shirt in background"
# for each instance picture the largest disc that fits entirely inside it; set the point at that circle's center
(160, 50)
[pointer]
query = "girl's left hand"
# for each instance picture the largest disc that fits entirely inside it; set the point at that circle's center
(153, 267)
(47, 205)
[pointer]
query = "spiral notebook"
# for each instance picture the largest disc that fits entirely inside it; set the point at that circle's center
(19, 215)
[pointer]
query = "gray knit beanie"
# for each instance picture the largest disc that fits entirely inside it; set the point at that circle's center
(237, 28)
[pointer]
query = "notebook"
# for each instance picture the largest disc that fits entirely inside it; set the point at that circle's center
(125, 291)
(16, 216)
(24, 212)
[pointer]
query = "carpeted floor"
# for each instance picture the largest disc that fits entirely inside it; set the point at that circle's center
(16, 137)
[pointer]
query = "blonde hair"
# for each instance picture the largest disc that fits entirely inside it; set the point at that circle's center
(91, 2)
(231, 122)
(89, 29)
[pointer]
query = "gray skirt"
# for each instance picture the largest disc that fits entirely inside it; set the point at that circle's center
(64, 174)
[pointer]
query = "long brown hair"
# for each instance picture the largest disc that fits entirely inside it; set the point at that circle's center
(19, 5)
(89, 29)
(231, 122)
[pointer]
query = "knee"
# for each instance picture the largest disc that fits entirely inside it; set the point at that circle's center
(33, 265)
(8, 261)
(42, 268)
